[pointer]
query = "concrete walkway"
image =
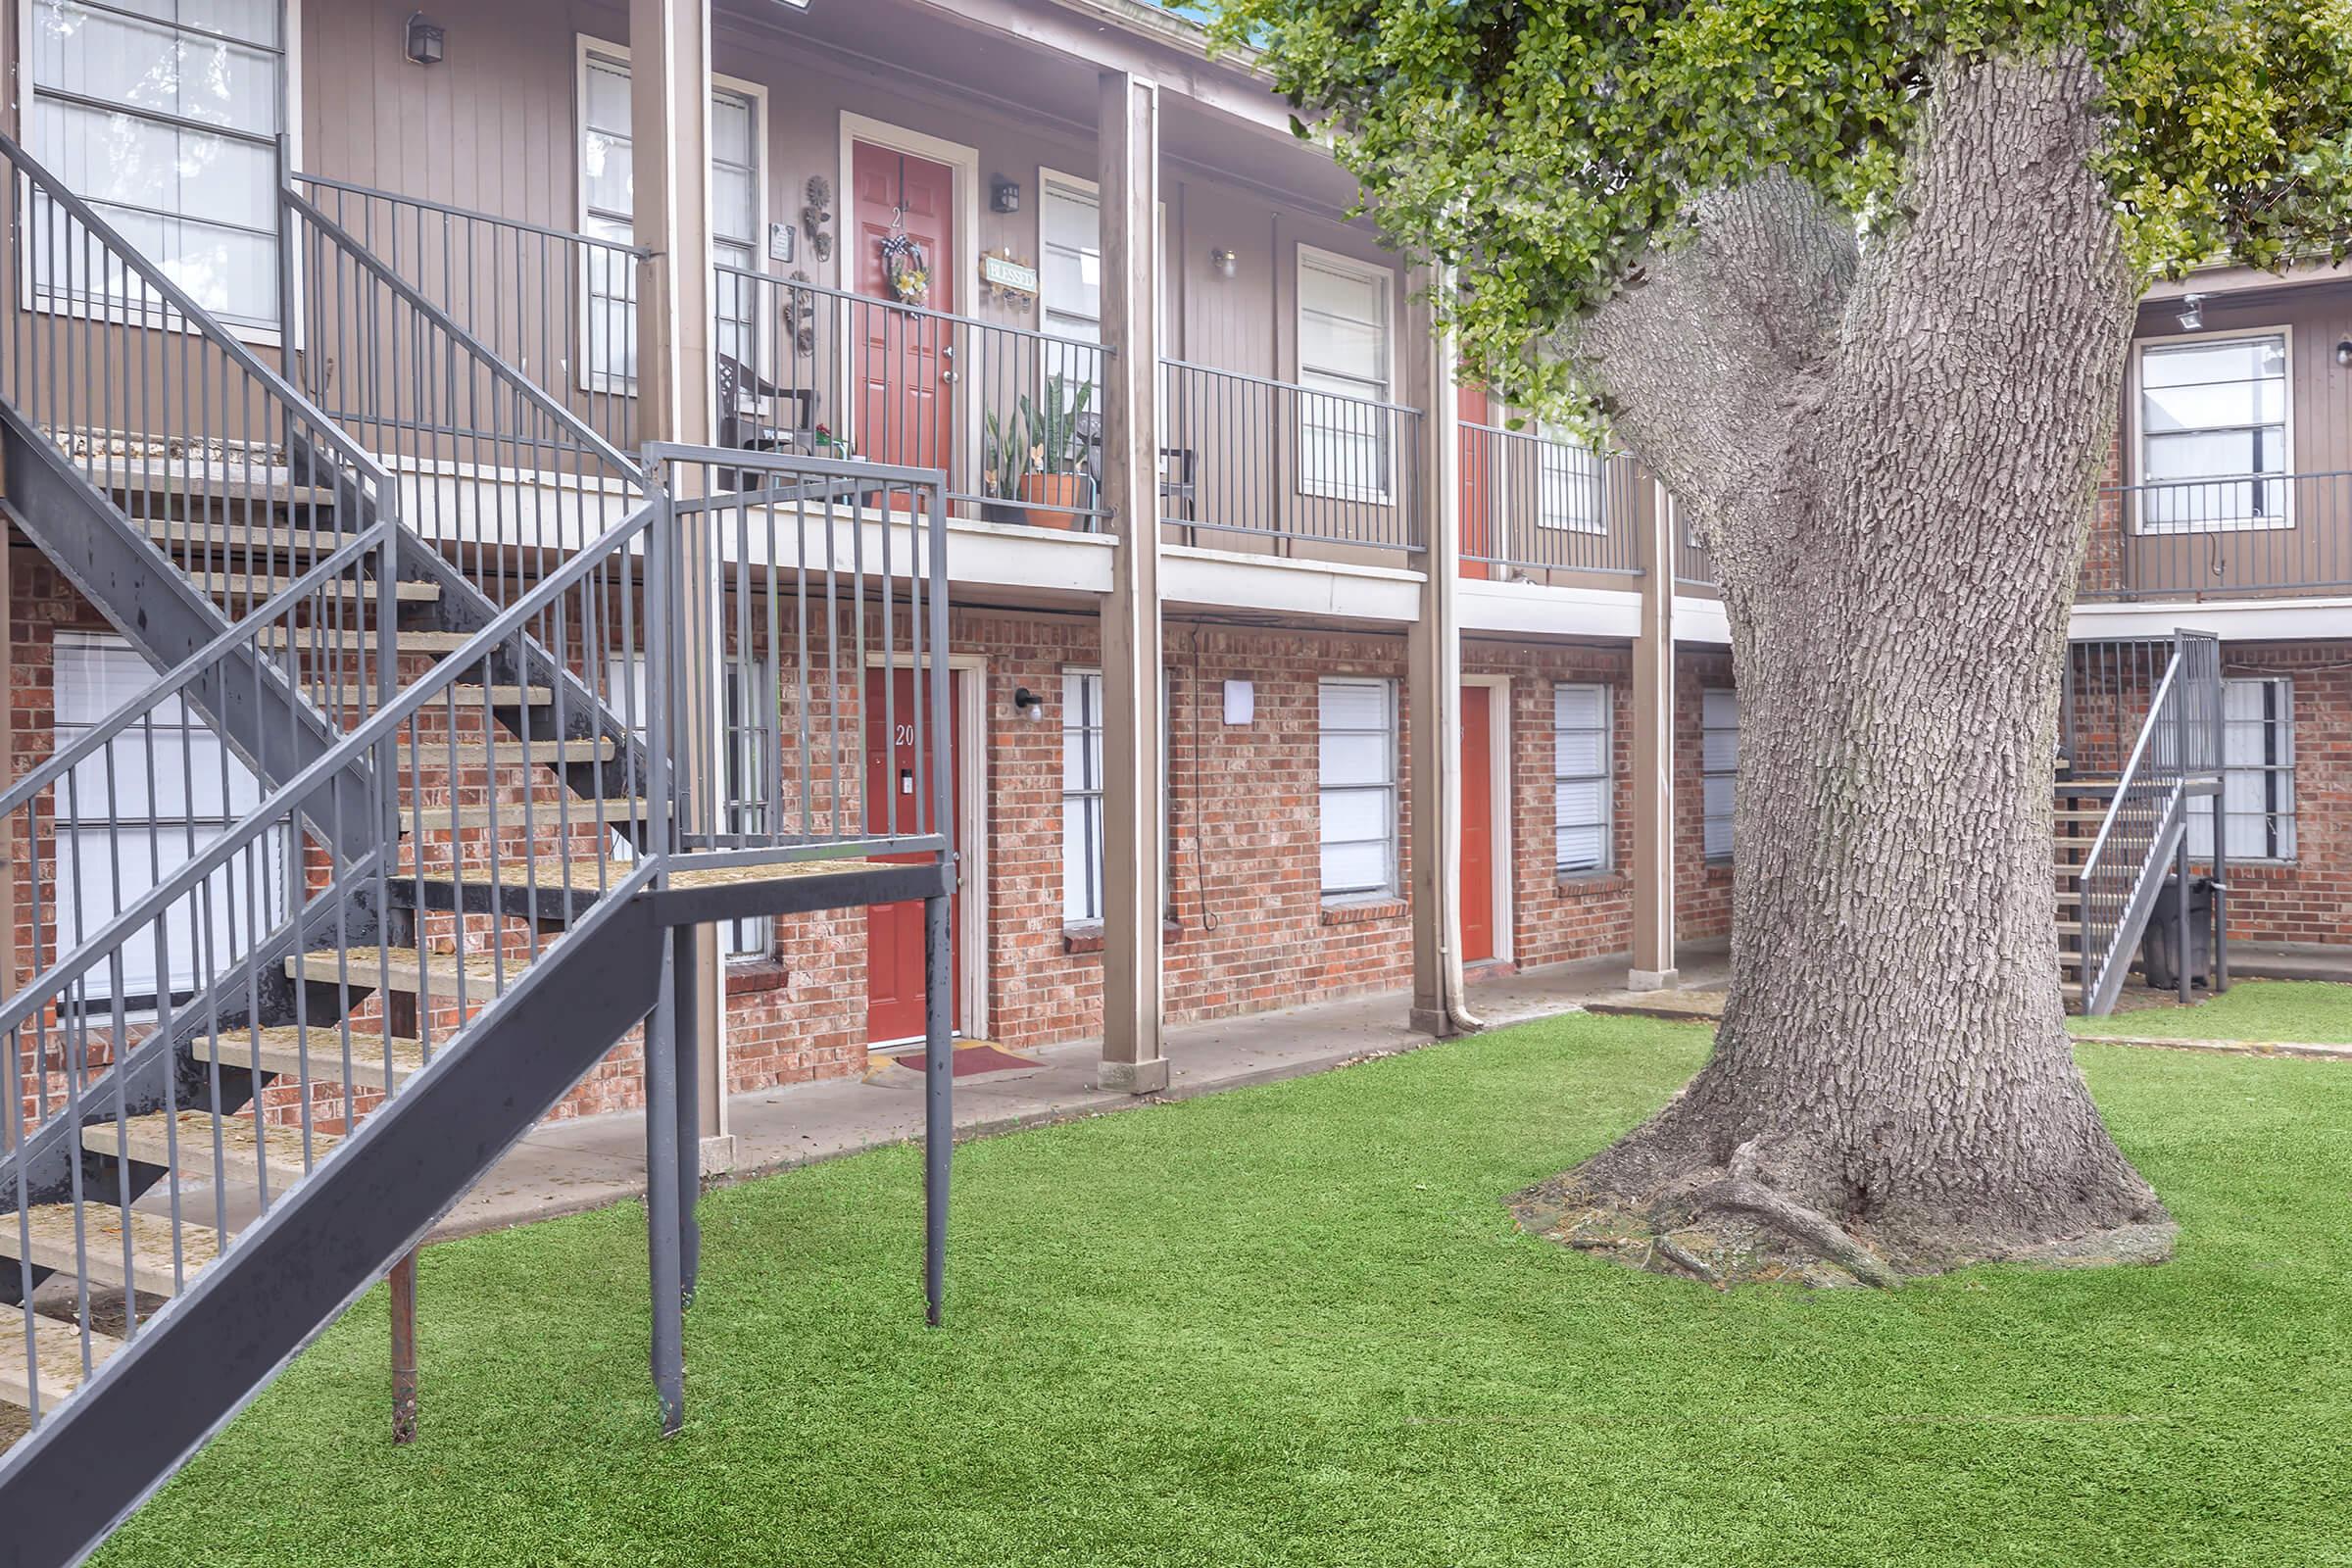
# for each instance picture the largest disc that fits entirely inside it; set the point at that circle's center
(593, 1161)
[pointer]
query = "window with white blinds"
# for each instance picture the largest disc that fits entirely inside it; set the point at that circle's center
(133, 814)
(164, 115)
(1346, 362)
(2213, 434)
(1356, 743)
(607, 208)
(1081, 796)
(1568, 480)
(1580, 784)
(1719, 767)
(2258, 774)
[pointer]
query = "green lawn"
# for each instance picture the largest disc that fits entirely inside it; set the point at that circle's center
(1294, 1325)
(2312, 1011)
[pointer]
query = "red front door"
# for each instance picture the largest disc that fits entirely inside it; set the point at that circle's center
(894, 932)
(1481, 460)
(1478, 827)
(906, 412)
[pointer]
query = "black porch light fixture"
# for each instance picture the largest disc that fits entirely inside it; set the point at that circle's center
(1028, 703)
(2344, 352)
(1003, 195)
(425, 39)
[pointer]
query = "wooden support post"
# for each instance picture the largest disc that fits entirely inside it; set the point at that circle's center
(1134, 852)
(677, 378)
(1434, 689)
(1653, 967)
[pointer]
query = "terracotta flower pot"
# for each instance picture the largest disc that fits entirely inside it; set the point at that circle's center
(1054, 499)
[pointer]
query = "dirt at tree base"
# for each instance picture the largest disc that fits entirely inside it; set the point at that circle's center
(1724, 1247)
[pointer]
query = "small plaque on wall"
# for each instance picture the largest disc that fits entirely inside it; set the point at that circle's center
(1003, 277)
(780, 237)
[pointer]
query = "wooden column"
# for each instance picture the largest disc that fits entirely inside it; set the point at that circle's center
(1134, 852)
(1434, 690)
(669, 128)
(1652, 966)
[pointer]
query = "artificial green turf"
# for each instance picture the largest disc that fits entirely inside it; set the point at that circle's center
(1294, 1325)
(2309, 1010)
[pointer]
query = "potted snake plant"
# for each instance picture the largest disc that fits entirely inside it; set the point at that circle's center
(1054, 483)
(1006, 464)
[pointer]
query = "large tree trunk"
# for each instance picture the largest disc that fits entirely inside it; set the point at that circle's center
(1893, 448)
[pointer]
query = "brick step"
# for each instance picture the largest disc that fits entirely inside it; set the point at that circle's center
(96, 1254)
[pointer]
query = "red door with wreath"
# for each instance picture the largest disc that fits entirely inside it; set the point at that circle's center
(903, 209)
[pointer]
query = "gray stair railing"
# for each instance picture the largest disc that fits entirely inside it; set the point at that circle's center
(391, 961)
(151, 455)
(496, 471)
(2176, 758)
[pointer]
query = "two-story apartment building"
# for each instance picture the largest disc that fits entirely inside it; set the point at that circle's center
(904, 208)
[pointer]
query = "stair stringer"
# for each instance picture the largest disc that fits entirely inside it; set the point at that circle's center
(151, 602)
(2098, 999)
(207, 1352)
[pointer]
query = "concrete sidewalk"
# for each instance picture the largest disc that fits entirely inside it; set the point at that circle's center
(593, 1161)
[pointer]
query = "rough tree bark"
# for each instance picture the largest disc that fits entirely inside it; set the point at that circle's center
(1892, 452)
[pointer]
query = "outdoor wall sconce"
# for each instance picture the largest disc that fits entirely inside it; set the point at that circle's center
(425, 39)
(2192, 311)
(1003, 195)
(1028, 703)
(1223, 260)
(2343, 352)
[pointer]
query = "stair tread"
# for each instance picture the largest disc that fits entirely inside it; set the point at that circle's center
(57, 1345)
(368, 967)
(404, 641)
(472, 694)
(53, 1245)
(729, 875)
(281, 1050)
(269, 485)
(269, 584)
(234, 536)
(580, 875)
(619, 808)
(478, 754)
(150, 1141)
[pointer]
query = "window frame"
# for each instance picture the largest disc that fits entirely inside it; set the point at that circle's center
(157, 317)
(588, 47)
(2136, 410)
(1090, 676)
(1388, 787)
(1308, 258)
(1705, 773)
(1546, 444)
(1606, 777)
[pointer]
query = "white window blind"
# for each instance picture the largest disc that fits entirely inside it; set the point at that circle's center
(1345, 359)
(164, 115)
(2213, 434)
(1357, 735)
(1581, 767)
(1719, 767)
(1069, 225)
(176, 788)
(2258, 774)
(1568, 475)
(1081, 796)
(608, 201)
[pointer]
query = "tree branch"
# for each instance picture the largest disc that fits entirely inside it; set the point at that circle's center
(1701, 358)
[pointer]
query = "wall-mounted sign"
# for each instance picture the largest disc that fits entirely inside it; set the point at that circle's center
(1005, 277)
(779, 241)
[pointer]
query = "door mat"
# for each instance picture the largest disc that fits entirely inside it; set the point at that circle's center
(973, 1057)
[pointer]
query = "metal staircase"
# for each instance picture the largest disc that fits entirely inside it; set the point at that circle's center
(2120, 819)
(482, 785)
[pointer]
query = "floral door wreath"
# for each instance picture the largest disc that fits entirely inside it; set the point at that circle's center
(905, 268)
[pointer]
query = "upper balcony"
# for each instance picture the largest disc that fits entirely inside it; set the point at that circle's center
(2244, 536)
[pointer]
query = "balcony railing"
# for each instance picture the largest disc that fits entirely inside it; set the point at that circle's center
(1242, 454)
(1534, 503)
(2258, 534)
(1013, 416)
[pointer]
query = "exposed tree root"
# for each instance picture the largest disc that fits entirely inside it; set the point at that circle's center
(1738, 1223)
